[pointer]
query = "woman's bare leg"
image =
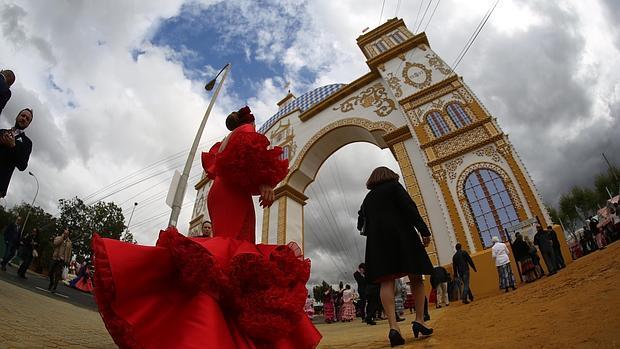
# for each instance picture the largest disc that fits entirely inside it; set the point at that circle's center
(387, 299)
(417, 287)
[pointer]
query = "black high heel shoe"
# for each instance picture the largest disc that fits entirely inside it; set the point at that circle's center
(395, 338)
(419, 328)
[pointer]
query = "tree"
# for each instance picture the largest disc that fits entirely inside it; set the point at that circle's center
(82, 220)
(579, 203)
(319, 291)
(128, 237)
(605, 182)
(555, 216)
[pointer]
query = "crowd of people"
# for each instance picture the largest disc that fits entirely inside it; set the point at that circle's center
(596, 235)
(347, 304)
(25, 246)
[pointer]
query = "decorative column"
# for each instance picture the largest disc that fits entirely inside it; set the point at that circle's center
(283, 222)
(411, 183)
(440, 176)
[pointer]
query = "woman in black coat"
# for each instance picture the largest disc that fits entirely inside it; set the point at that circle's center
(389, 219)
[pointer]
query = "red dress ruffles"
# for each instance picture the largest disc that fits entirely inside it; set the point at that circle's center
(246, 160)
(203, 293)
(223, 292)
(238, 170)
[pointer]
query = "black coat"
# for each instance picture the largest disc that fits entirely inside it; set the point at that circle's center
(12, 234)
(439, 275)
(520, 249)
(10, 158)
(554, 239)
(361, 283)
(5, 93)
(543, 240)
(393, 247)
(461, 261)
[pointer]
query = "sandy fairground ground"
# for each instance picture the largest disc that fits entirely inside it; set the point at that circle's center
(579, 307)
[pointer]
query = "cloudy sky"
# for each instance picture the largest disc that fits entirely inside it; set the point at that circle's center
(117, 91)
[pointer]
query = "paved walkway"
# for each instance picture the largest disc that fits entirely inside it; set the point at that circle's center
(31, 320)
(39, 283)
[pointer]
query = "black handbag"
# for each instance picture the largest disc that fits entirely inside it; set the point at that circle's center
(365, 225)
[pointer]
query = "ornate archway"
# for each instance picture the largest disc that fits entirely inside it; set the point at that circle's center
(388, 107)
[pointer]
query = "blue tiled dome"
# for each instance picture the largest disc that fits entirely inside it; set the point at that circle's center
(304, 102)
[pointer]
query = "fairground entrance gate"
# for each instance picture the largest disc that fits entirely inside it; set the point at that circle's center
(457, 164)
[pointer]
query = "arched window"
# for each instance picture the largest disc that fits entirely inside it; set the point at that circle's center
(458, 115)
(490, 204)
(438, 124)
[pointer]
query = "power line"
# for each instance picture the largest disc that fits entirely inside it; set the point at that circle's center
(166, 159)
(155, 198)
(159, 215)
(381, 15)
(333, 225)
(331, 242)
(470, 37)
(479, 29)
(418, 14)
(138, 181)
(432, 14)
(154, 171)
(424, 15)
(397, 8)
(344, 197)
(133, 174)
(153, 186)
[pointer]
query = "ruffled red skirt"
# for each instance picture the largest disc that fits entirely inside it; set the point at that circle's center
(84, 285)
(203, 293)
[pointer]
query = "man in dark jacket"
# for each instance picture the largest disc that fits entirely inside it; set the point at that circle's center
(7, 78)
(11, 241)
(439, 281)
(520, 249)
(29, 244)
(556, 248)
(15, 148)
(543, 240)
(360, 277)
(461, 261)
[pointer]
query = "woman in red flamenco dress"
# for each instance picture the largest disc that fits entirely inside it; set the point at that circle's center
(221, 292)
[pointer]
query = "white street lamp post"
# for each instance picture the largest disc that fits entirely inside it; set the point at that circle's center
(180, 189)
(131, 216)
(31, 205)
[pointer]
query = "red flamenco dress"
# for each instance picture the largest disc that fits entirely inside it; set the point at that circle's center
(221, 292)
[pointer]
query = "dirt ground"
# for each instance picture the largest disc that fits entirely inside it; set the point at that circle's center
(577, 308)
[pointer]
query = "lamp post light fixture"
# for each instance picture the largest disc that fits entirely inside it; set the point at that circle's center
(182, 185)
(32, 204)
(131, 216)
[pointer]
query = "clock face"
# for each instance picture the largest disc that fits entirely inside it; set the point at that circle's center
(417, 75)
